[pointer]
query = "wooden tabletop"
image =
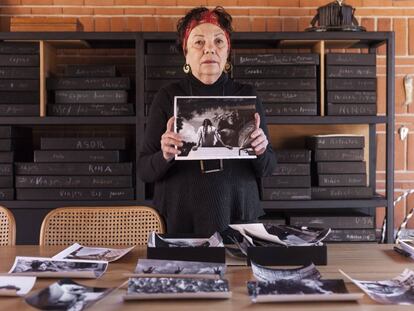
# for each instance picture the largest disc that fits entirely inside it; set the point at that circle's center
(361, 261)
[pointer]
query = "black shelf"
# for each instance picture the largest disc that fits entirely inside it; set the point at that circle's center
(377, 201)
(326, 120)
(54, 204)
(66, 120)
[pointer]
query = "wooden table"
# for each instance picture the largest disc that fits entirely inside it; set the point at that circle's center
(361, 261)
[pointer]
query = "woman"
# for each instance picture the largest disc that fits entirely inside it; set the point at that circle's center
(191, 199)
(208, 136)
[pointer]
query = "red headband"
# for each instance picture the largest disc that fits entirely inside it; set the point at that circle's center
(206, 17)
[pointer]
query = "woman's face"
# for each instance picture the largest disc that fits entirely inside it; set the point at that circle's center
(207, 52)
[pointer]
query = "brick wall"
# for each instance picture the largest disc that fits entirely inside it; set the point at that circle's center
(259, 15)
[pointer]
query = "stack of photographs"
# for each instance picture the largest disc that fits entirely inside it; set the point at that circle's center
(165, 279)
(66, 295)
(77, 251)
(408, 246)
(16, 285)
(58, 268)
(399, 290)
(155, 240)
(293, 285)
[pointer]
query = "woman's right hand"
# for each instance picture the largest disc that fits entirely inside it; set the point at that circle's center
(169, 140)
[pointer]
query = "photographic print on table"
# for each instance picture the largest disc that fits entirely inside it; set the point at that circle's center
(300, 290)
(58, 268)
(77, 251)
(155, 240)
(265, 274)
(178, 267)
(398, 291)
(16, 285)
(66, 295)
(177, 288)
(215, 127)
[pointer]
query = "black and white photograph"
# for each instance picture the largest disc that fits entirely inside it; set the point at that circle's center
(77, 251)
(408, 246)
(177, 288)
(215, 127)
(55, 268)
(66, 295)
(300, 290)
(155, 240)
(398, 291)
(265, 274)
(177, 267)
(298, 236)
(16, 285)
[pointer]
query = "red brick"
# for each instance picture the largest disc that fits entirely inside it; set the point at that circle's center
(381, 152)
(410, 149)
(99, 2)
(241, 24)
(165, 24)
(87, 23)
(133, 24)
(191, 3)
(36, 2)
(10, 2)
(296, 12)
(399, 95)
(411, 36)
(139, 11)
(400, 29)
(77, 11)
(264, 12)
(118, 23)
(161, 2)
(381, 98)
(399, 210)
(409, 206)
(380, 214)
(148, 23)
(68, 2)
(303, 23)
(170, 11)
(274, 24)
(108, 11)
(15, 10)
(383, 24)
(400, 153)
(223, 3)
(377, 3)
(129, 2)
(47, 11)
(290, 24)
(258, 24)
(252, 2)
(368, 23)
(406, 3)
(102, 24)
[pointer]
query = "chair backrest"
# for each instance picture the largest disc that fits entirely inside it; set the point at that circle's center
(100, 226)
(7, 227)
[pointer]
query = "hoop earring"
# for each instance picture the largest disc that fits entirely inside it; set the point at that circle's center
(186, 68)
(227, 67)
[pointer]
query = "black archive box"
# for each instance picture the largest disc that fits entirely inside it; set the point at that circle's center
(287, 256)
(203, 254)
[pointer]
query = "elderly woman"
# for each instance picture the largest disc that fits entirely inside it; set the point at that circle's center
(204, 198)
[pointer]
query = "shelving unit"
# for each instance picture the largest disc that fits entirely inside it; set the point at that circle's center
(317, 42)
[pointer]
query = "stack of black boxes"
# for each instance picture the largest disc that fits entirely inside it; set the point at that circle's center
(89, 90)
(346, 225)
(286, 83)
(163, 65)
(351, 84)
(76, 169)
(339, 167)
(14, 143)
(291, 179)
(19, 79)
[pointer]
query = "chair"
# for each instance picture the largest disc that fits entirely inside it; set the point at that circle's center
(100, 226)
(7, 227)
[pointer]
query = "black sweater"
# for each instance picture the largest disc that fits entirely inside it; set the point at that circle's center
(190, 201)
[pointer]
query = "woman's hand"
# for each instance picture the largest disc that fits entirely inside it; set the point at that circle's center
(169, 140)
(259, 139)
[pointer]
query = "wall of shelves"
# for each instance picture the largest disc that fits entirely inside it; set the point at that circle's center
(279, 126)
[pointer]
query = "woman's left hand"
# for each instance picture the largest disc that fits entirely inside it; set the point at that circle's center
(259, 139)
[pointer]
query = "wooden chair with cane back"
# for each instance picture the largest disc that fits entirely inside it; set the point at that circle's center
(7, 227)
(100, 226)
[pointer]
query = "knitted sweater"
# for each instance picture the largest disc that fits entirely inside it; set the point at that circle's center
(189, 200)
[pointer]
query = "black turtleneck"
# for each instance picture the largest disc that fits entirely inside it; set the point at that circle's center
(190, 201)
